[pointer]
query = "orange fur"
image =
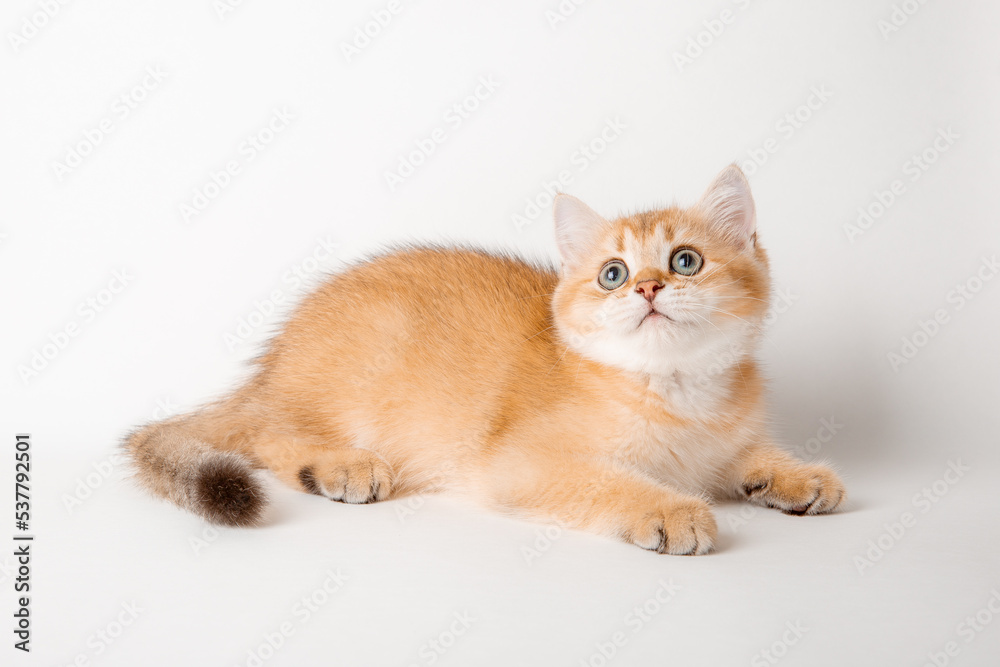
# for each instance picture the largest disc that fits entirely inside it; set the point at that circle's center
(488, 377)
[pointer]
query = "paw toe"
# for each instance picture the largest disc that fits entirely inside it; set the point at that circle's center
(356, 478)
(679, 530)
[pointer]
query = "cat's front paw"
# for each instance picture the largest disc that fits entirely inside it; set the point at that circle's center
(682, 528)
(804, 489)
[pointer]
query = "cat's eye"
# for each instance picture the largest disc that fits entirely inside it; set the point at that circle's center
(613, 274)
(686, 262)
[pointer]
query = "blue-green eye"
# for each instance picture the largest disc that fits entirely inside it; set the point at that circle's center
(686, 262)
(613, 274)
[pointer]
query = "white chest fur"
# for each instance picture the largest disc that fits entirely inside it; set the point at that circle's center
(690, 452)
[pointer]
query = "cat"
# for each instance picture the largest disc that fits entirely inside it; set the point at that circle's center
(619, 395)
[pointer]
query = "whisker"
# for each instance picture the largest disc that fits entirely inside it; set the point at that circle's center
(753, 326)
(738, 367)
(731, 282)
(540, 332)
(535, 296)
(558, 360)
(752, 298)
(713, 271)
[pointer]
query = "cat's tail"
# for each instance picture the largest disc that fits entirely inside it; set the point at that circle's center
(190, 461)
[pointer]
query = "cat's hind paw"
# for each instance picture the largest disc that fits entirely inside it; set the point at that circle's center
(355, 476)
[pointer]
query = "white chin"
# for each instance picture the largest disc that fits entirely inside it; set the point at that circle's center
(659, 346)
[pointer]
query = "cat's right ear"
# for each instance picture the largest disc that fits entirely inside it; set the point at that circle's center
(578, 227)
(729, 208)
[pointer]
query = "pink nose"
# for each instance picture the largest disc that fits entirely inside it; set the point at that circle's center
(648, 289)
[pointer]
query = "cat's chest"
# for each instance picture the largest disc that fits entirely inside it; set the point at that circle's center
(689, 456)
(689, 449)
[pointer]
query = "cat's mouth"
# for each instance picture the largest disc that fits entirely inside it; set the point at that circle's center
(655, 315)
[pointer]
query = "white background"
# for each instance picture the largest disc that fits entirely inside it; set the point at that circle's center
(160, 344)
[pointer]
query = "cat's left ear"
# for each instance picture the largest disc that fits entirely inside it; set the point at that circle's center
(728, 206)
(578, 227)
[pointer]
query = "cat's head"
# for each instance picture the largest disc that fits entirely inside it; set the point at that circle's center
(666, 290)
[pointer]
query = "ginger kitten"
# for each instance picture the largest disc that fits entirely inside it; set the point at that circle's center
(614, 396)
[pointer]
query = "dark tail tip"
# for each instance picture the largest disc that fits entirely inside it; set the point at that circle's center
(227, 493)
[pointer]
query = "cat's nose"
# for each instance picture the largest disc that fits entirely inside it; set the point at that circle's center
(648, 288)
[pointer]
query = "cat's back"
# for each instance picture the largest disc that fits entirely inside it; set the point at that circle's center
(462, 306)
(432, 282)
(470, 275)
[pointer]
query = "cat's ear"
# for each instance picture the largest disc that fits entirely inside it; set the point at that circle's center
(577, 227)
(728, 206)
